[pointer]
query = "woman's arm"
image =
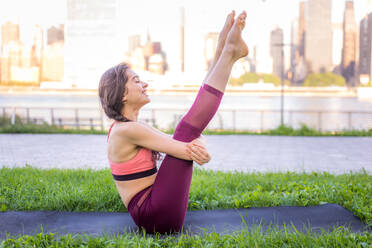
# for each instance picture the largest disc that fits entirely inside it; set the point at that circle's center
(199, 153)
(146, 136)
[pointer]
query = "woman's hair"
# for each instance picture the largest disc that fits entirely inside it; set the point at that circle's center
(111, 91)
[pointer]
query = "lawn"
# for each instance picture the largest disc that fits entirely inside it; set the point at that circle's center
(29, 188)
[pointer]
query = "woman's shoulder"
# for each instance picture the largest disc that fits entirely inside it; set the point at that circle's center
(131, 130)
(126, 129)
(120, 146)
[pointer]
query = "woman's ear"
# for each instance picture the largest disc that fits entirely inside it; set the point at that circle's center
(124, 98)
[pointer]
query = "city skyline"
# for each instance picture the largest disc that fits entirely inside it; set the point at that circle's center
(203, 21)
(99, 28)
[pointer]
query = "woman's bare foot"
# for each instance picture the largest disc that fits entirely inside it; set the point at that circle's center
(234, 42)
(224, 32)
(221, 40)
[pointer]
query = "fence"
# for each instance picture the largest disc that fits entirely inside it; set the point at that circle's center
(225, 119)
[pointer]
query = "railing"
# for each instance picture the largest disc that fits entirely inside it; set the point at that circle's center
(225, 119)
(318, 119)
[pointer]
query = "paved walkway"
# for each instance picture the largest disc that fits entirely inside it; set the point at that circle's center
(229, 152)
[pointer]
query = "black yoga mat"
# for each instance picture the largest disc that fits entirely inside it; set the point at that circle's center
(322, 217)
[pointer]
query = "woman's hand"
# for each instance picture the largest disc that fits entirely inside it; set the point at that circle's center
(197, 151)
(201, 141)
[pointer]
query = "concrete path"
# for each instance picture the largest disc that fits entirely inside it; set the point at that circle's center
(229, 152)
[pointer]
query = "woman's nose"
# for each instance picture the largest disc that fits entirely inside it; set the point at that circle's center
(145, 85)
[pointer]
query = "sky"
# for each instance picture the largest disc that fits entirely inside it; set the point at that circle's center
(153, 14)
(162, 19)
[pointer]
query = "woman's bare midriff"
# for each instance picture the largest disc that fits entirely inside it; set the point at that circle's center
(128, 189)
(120, 150)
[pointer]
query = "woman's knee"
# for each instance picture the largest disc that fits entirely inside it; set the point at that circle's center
(165, 221)
(186, 132)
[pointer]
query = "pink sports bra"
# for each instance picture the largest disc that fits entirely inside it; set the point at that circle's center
(139, 166)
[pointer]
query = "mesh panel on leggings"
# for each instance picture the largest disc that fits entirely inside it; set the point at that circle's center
(204, 107)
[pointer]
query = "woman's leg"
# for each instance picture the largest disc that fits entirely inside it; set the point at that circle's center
(165, 208)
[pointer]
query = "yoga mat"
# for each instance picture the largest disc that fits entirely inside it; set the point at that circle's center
(224, 221)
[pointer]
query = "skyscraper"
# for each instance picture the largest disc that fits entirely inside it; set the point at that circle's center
(9, 32)
(55, 34)
(337, 44)
(369, 6)
(318, 38)
(349, 42)
(11, 51)
(182, 30)
(134, 41)
(253, 60)
(53, 62)
(38, 46)
(301, 32)
(210, 44)
(276, 51)
(294, 49)
(365, 48)
(91, 41)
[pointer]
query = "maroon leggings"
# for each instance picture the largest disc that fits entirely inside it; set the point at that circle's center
(162, 207)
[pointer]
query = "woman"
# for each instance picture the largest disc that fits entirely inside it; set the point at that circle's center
(157, 200)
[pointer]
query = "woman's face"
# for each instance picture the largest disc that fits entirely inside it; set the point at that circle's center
(135, 90)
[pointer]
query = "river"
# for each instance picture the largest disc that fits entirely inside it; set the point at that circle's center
(243, 119)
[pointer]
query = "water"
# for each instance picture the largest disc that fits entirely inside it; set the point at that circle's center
(224, 119)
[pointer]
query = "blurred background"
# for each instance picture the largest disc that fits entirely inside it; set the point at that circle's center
(309, 61)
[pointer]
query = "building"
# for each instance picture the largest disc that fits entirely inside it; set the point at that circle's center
(136, 59)
(365, 49)
(53, 62)
(210, 45)
(91, 41)
(55, 34)
(9, 32)
(38, 46)
(134, 41)
(154, 56)
(276, 51)
(16, 64)
(298, 70)
(294, 50)
(156, 64)
(337, 44)
(301, 32)
(349, 43)
(20, 63)
(253, 60)
(11, 56)
(10, 49)
(318, 38)
(182, 34)
(149, 57)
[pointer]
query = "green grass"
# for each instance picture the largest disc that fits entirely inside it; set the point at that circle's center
(45, 129)
(21, 127)
(29, 188)
(302, 131)
(245, 238)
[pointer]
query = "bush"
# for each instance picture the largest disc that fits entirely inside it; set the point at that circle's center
(254, 78)
(324, 79)
(7, 121)
(271, 78)
(245, 78)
